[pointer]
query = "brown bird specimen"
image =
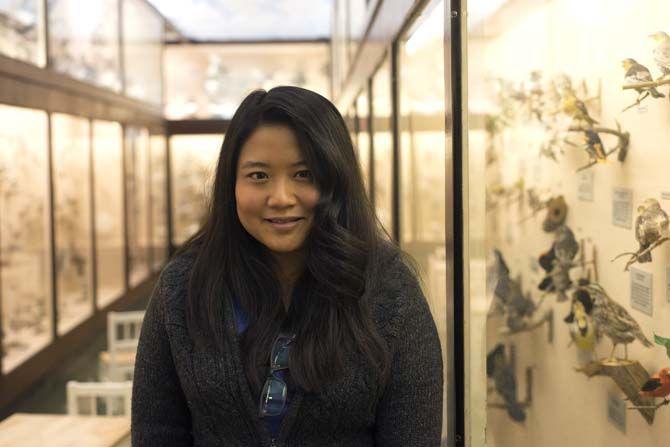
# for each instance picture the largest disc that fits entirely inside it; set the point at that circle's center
(613, 320)
(651, 230)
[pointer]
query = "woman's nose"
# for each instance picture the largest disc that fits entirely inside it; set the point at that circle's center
(281, 194)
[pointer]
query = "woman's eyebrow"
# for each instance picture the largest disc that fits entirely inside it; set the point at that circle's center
(262, 164)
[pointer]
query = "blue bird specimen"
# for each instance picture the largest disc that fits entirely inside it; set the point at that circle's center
(516, 306)
(502, 373)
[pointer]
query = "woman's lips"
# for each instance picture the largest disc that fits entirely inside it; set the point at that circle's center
(284, 224)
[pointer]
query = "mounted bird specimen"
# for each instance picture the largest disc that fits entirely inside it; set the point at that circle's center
(651, 230)
(637, 73)
(613, 320)
(557, 263)
(658, 385)
(557, 211)
(583, 330)
(662, 52)
(575, 108)
(516, 306)
(504, 378)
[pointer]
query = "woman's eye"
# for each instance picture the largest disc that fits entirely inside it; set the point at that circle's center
(304, 174)
(257, 175)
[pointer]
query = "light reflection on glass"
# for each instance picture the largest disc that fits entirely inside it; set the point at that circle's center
(137, 203)
(159, 204)
(22, 30)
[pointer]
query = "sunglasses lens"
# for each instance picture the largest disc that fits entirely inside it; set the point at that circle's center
(279, 358)
(273, 397)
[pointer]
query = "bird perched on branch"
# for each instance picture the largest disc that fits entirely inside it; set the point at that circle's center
(613, 320)
(502, 373)
(662, 51)
(594, 146)
(651, 230)
(658, 385)
(583, 330)
(635, 73)
(575, 107)
(650, 226)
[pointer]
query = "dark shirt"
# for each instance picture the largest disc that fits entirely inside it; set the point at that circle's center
(187, 394)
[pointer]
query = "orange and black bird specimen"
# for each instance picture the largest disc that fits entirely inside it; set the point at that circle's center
(594, 146)
(658, 385)
(636, 73)
(502, 373)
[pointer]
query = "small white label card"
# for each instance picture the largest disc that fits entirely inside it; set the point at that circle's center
(534, 264)
(585, 185)
(622, 207)
(641, 297)
(665, 195)
(616, 411)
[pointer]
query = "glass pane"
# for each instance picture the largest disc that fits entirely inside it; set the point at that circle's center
(422, 159)
(193, 164)
(22, 30)
(567, 161)
(363, 137)
(70, 143)
(25, 271)
(142, 51)
(383, 144)
(204, 81)
(159, 204)
(137, 203)
(86, 49)
(357, 21)
(108, 187)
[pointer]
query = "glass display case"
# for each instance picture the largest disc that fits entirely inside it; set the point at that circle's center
(70, 142)
(566, 153)
(193, 161)
(206, 81)
(86, 49)
(137, 203)
(422, 157)
(159, 205)
(25, 270)
(108, 198)
(22, 33)
(143, 31)
(363, 135)
(382, 144)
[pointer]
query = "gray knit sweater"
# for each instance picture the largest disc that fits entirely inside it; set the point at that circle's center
(188, 396)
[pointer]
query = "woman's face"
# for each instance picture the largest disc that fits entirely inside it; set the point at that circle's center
(275, 191)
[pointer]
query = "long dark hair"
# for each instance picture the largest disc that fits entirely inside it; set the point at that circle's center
(344, 248)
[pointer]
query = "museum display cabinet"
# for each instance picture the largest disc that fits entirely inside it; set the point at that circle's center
(83, 175)
(565, 144)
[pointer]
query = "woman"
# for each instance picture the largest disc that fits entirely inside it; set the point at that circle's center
(288, 319)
